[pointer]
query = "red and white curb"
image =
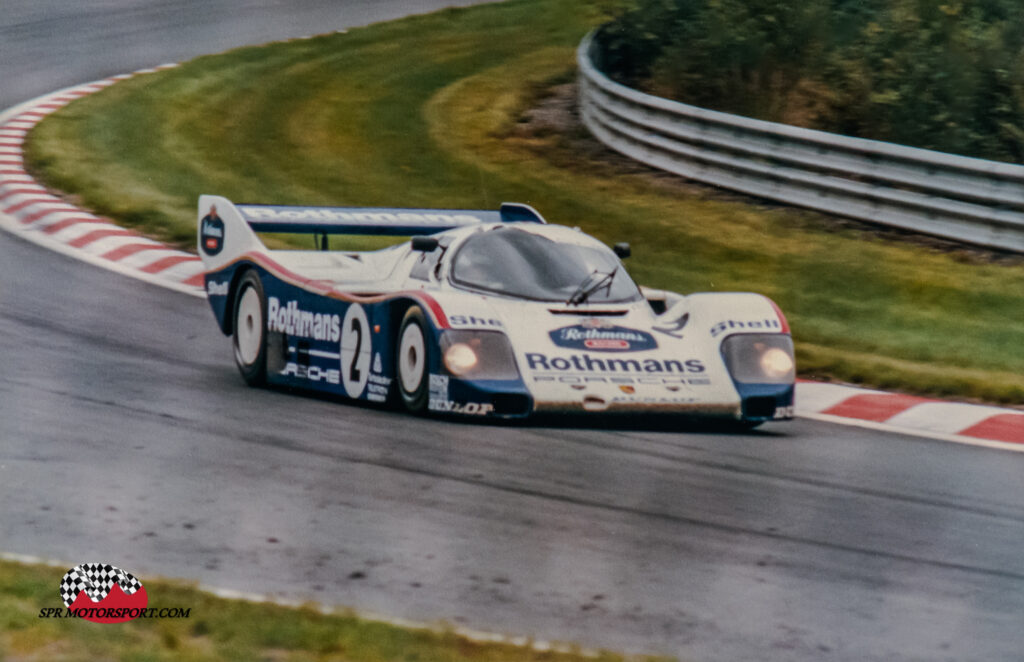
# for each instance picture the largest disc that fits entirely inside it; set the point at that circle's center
(978, 425)
(30, 211)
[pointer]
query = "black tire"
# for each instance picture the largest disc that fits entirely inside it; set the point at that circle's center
(412, 361)
(249, 330)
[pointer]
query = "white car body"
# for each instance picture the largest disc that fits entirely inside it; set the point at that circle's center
(659, 352)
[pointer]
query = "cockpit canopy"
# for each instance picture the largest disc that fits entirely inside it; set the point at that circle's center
(523, 264)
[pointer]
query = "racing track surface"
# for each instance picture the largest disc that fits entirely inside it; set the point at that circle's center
(126, 436)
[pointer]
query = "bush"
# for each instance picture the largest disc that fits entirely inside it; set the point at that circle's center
(948, 77)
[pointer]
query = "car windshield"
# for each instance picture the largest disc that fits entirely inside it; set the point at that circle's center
(523, 264)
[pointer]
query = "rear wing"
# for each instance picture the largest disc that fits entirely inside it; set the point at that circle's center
(227, 230)
(376, 220)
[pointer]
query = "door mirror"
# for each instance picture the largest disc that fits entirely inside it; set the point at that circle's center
(424, 244)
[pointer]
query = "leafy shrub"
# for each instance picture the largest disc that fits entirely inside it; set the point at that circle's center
(948, 76)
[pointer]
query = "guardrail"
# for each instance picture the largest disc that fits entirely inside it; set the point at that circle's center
(955, 197)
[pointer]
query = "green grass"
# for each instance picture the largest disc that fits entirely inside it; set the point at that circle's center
(222, 629)
(420, 112)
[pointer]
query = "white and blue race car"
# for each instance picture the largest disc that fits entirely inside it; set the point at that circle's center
(483, 313)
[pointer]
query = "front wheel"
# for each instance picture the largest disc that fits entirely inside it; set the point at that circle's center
(412, 358)
(250, 330)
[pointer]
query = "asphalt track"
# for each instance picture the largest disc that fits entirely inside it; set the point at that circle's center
(126, 436)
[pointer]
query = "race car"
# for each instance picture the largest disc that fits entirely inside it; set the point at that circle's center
(482, 313)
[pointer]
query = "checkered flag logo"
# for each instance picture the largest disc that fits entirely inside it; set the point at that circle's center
(96, 579)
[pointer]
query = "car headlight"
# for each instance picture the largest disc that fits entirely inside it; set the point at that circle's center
(776, 363)
(460, 359)
(478, 355)
(760, 358)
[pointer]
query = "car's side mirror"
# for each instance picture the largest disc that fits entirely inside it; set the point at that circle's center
(424, 244)
(622, 250)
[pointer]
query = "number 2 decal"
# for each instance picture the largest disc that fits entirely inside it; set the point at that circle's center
(353, 368)
(356, 349)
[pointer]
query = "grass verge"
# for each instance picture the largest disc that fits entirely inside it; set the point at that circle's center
(222, 629)
(422, 112)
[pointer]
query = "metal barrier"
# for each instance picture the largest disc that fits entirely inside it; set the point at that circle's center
(955, 197)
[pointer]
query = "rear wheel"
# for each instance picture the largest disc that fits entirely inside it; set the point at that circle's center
(412, 359)
(250, 330)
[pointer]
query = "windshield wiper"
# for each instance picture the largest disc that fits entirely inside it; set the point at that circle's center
(589, 286)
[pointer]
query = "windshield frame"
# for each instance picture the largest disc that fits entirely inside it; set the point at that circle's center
(480, 289)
